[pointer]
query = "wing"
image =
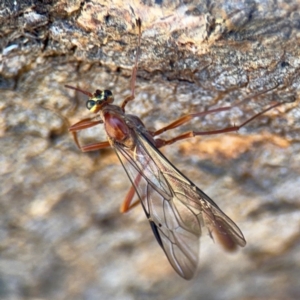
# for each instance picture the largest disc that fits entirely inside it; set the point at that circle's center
(176, 209)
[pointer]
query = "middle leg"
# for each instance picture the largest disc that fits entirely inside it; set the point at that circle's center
(161, 142)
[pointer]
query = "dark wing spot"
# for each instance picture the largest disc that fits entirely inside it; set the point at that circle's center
(156, 233)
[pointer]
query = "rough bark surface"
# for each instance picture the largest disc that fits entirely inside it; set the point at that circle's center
(61, 235)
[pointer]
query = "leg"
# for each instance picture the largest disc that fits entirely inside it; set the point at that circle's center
(84, 124)
(95, 146)
(160, 142)
(90, 147)
(126, 204)
(187, 118)
(135, 68)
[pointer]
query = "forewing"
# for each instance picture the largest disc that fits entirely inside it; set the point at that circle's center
(176, 209)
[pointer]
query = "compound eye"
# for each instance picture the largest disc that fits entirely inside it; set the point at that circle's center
(107, 94)
(90, 104)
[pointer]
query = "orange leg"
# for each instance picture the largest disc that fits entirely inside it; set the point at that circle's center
(95, 146)
(161, 142)
(126, 204)
(187, 118)
(84, 124)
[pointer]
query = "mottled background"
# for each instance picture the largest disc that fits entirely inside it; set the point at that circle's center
(61, 233)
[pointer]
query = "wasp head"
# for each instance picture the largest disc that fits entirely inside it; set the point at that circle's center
(99, 98)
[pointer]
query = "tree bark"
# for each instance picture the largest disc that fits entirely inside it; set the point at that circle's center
(62, 236)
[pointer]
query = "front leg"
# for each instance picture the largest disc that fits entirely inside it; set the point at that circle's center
(84, 124)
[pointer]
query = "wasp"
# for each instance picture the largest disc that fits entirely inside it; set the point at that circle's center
(177, 210)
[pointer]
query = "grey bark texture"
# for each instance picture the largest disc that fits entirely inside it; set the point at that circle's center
(61, 233)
